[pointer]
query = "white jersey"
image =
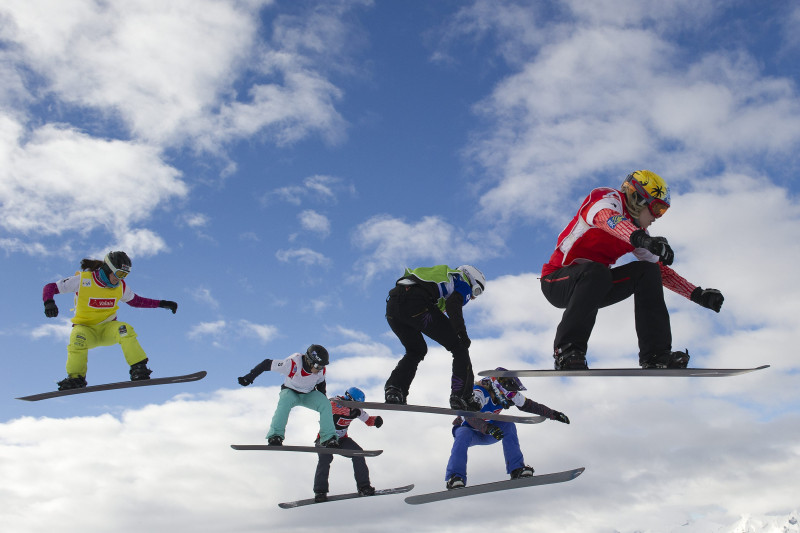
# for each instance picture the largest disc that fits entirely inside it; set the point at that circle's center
(296, 377)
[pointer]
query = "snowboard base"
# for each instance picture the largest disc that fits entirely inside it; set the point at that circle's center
(339, 497)
(442, 411)
(545, 479)
(309, 449)
(118, 385)
(648, 372)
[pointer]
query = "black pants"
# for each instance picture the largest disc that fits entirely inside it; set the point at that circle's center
(584, 288)
(360, 470)
(411, 311)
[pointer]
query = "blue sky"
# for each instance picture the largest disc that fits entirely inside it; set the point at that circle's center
(273, 166)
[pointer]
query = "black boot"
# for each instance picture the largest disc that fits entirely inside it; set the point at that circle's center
(394, 395)
(332, 442)
(366, 490)
(665, 359)
(68, 383)
(275, 440)
(455, 482)
(139, 371)
(570, 357)
(462, 403)
(524, 471)
(320, 497)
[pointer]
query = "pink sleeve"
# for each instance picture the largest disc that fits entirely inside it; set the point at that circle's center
(50, 290)
(614, 224)
(675, 282)
(620, 227)
(138, 301)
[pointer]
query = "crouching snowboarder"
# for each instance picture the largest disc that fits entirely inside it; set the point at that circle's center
(494, 395)
(342, 417)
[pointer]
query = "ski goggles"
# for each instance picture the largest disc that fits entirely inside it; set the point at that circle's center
(313, 364)
(121, 272)
(477, 290)
(656, 206)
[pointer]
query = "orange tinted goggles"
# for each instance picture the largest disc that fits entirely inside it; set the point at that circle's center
(657, 207)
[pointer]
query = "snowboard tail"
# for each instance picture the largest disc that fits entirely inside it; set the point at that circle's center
(119, 385)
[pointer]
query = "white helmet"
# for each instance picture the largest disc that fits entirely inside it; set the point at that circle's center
(475, 278)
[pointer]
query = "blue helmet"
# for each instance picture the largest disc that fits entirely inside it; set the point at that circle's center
(354, 394)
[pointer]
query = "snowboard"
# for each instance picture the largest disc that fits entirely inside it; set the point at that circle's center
(545, 479)
(442, 411)
(649, 372)
(338, 497)
(311, 449)
(119, 385)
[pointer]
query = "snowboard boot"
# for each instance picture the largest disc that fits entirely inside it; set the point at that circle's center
(139, 371)
(394, 395)
(68, 383)
(320, 497)
(524, 471)
(332, 442)
(461, 403)
(455, 482)
(275, 440)
(366, 490)
(570, 357)
(665, 359)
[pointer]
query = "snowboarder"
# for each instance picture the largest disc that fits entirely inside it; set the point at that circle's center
(494, 395)
(579, 279)
(416, 305)
(304, 385)
(342, 417)
(99, 287)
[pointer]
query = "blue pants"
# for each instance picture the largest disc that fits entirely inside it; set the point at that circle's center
(465, 437)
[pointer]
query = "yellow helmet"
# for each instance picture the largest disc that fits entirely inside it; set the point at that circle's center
(645, 188)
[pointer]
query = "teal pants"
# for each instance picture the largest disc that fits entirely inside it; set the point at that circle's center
(313, 400)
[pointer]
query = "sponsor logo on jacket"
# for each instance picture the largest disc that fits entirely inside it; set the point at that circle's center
(102, 303)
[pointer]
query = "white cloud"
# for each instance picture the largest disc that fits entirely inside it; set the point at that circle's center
(151, 76)
(600, 100)
(305, 256)
(55, 180)
(318, 188)
(236, 329)
(207, 328)
(394, 244)
(58, 330)
(203, 295)
(315, 222)
(195, 220)
(263, 332)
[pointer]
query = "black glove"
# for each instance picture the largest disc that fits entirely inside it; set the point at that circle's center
(465, 341)
(655, 245)
(167, 304)
(378, 421)
(709, 298)
(50, 308)
(561, 417)
(245, 380)
(495, 432)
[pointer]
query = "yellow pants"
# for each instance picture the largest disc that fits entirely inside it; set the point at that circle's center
(84, 338)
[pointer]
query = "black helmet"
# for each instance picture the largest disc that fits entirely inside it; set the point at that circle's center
(317, 356)
(117, 263)
(512, 383)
